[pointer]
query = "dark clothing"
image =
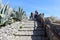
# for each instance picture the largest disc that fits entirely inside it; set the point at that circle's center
(35, 17)
(31, 16)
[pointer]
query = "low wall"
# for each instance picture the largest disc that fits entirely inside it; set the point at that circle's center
(54, 31)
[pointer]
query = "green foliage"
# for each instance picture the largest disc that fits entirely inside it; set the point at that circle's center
(4, 15)
(24, 15)
(8, 15)
(21, 27)
(19, 15)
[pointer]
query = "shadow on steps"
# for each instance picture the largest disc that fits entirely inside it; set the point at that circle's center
(39, 34)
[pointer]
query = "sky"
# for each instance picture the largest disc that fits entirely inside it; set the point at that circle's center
(48, 7)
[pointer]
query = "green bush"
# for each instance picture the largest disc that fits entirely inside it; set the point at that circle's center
(21, 27)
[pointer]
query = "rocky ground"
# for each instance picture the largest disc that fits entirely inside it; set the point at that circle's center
(6, 33)
(14, 32)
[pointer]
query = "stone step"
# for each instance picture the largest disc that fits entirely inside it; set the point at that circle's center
(32, 28)
(37, 33)
(31, 38)
(58, 33)
(58, 28)
(25, 25)
(28, 22)
(28, 25)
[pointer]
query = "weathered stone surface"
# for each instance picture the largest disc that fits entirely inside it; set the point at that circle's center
(6, 33)
(27, 32)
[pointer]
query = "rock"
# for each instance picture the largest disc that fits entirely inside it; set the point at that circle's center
(6, 33)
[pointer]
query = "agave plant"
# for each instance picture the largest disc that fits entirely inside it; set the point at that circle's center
(4, 15)
(18, 14)
(24, 17)
(22, 14)
(7, 15)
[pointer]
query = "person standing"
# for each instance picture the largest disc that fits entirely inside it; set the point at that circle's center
(35, 19)
(35, 15)
(31, 16)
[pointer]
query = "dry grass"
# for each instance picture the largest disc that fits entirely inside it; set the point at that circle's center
(57, 22)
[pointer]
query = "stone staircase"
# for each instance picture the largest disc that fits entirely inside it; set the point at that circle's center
(56, 28)
(29, 33)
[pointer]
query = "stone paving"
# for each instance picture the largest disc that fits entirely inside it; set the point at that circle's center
(6, 33)
(27, 32)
